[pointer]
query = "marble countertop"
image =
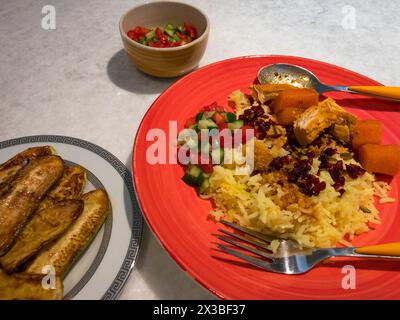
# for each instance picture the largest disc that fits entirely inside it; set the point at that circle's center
(77, 81)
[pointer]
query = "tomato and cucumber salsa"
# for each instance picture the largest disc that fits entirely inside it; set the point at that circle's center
(204, 139)
(167, 37)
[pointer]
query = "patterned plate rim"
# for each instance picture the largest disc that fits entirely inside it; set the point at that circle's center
(119, 281)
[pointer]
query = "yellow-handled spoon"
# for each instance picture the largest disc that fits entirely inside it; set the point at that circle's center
(283, 73)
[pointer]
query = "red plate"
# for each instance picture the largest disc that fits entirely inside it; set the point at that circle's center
(179, 218)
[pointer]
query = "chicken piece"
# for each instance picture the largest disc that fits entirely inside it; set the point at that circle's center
(315, 119)
(342, 132)
(239, 101)
(262, 155)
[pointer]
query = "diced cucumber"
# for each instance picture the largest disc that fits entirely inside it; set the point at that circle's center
(217, 156)
(185, 134)
(171, 39)
(199, 116)
(143, 40)
(189, 180)
(206, 175)
(208, 114)
(194, 176)
(188, 137)
(229, 116)
(204, 186)
(170, 30)
(194, 171)
(194, 127)
(215, 139)
(182, 29)
(207, 124)
(150, 35)
(235, 124)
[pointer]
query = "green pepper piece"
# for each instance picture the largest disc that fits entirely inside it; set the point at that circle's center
(143, 40)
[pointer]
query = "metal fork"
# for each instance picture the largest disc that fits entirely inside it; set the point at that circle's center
(290, 258)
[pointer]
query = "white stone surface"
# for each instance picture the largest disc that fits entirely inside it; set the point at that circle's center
(76, 81)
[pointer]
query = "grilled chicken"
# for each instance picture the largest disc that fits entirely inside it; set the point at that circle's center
(28, 287)
(45, 226)
(262, 155)
(320, 117)
(28, 188)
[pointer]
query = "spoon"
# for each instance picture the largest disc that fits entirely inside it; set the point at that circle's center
(283, 73)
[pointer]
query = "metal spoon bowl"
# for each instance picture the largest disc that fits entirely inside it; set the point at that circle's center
(283, 73)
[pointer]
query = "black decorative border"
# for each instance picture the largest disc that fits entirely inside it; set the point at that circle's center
(137, 223)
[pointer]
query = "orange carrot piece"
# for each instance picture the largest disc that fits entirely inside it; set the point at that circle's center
(380, 158)
(288, 115)
(296, 98)
(366, 132)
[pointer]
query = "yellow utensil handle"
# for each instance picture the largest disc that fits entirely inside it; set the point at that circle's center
(382, 91)
(387, 249)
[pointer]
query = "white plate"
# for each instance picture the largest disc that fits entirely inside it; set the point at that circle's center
(104, 267)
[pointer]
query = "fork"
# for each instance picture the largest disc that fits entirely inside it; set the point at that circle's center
(290, 258)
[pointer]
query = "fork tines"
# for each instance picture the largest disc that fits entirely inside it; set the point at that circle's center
(260, 241)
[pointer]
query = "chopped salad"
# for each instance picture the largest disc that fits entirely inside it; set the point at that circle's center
(169, 36)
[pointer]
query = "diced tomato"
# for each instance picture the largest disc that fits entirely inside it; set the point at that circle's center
(207, 168)
(189, 122)
(181, 36)
(222, 126)
(158, 33)
(218, 118)
(132, 35)
(164, 40)
(174, 44)
(212, 107)
(141, 31)
(190, 30)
